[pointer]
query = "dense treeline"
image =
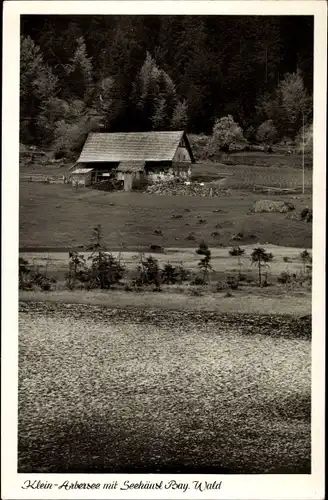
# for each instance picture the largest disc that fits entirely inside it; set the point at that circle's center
(120, 73)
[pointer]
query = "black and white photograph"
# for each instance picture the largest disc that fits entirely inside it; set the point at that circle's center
(166, 248)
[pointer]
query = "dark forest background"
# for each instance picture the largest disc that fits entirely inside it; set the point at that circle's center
(126, 73)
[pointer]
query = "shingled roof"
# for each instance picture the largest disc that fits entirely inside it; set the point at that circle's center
(125, 146)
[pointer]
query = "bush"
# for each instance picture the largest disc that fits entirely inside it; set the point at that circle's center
(23, 274)
(306, 215)
(236, 251)
(105, 271)
(148, 272)
(43, 281)
(199, 145)
(77, 270)
(30, 277)
(198, 281)
(237, 237)
(232, 282)
(226, 132)
(266, 132)
(221, 285)
(285, 277)
(174, 274)
(306, 259)
(169, 274)
(156, 249)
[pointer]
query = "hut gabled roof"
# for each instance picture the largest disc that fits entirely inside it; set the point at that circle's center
(125, 146)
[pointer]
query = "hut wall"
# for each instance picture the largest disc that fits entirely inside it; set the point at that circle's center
(81, 179)
(182, 155)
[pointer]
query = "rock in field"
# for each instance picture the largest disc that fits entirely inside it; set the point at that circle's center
(272, 206)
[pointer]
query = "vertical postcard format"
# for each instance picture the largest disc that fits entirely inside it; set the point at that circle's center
(163, 255)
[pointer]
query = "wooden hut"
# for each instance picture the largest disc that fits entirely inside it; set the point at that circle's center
(81, 176)
(131, 155)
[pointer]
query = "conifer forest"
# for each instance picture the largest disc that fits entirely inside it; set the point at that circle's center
(140, 73)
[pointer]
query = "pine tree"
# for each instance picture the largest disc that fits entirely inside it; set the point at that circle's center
(205, 263)
(158, 118)
(260, 257)
(79, 71)
(180, 116)
(154, 96)
(37, 84)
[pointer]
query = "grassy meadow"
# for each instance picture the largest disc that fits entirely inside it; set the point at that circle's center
(55, 216)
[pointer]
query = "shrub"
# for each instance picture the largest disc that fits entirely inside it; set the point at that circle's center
(306, 215)
(156, 248)
(225, 132)
(169, 274)
(77, 270)
(306, 259)
(183, 273)
(105, 271)
(285, 277)
(23, 274)
(232, 282)
(148, 272)
(221, 285)
(236, 251)
(266, 132)
(199, 145)
(42, 280)
(30, 277)
(237, 237)
(198, 280)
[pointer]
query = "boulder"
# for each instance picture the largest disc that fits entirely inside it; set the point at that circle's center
(272, 206)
